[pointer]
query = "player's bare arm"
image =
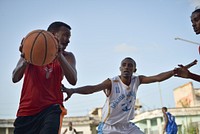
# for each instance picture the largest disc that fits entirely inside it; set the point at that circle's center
(105, 85)
(163, 76)
(68, 64)
(156, 78)
(18, 72)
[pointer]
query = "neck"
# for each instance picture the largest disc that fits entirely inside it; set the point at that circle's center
(125, 80)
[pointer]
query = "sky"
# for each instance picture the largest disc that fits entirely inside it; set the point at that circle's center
(103, 33)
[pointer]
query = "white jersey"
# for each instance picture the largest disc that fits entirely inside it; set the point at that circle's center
(70, 131)
(119, 106)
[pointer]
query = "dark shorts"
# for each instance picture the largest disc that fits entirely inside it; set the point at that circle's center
(47, 121)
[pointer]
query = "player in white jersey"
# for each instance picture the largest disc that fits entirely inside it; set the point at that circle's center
(70, 130)
(121, 100)
(121, 94)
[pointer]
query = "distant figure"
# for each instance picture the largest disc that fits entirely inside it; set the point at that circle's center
(71, 130)
(170, 126)
(184, 72)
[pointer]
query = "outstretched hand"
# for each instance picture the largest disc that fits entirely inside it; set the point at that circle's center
(68, 91)
(183, 71)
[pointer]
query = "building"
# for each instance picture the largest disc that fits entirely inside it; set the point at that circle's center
(151, 122)
(6, 126)
(186, 112)
(83, 124)
(186, 96)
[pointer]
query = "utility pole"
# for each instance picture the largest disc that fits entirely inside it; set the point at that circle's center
(177, 38)
(160, 94)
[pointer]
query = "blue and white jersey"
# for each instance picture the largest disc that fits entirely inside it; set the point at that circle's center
(171, 125)
(119, 106)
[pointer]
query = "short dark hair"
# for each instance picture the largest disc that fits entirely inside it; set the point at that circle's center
(196, 11)
(165, 108)
(129, 58)
(55, 26)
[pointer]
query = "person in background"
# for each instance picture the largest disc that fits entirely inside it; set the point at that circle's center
(41, 104)
(170, 126)
(70, 130)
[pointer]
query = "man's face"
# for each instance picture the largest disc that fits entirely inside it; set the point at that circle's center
(63, 36)
(195, 19)
(127, 68)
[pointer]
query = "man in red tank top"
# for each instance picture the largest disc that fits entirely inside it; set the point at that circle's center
(41, 103)
(183, 71)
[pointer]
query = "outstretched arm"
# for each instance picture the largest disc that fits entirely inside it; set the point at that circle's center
(87, 89)
(163, 76)
(156, 78)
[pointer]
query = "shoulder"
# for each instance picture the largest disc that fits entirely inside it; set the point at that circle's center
(136, 77)
(168, 113)
(114, 79)
(74, 129)
(107, 83)
(107, 86)
(68, 54)
(141, 77)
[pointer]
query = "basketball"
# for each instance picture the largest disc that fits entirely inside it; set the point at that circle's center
(39, 47)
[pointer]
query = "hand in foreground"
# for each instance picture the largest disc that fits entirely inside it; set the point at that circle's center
(21, 47)
(68, 91)
(183, 71)
(22, 55)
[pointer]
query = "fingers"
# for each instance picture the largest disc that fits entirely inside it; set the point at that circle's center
(191, 64)
(66, 98)
(62, 88)
(20, 48)
(22, 55)
(175, 75)
(21, 45)
(180, 65)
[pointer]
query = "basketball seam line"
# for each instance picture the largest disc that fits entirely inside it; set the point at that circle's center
(31, 56)
(45, 56)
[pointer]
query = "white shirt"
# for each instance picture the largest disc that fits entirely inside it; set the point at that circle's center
(119, 106)
(70, 131)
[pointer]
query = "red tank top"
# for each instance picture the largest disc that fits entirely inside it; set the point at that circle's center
(41, 88)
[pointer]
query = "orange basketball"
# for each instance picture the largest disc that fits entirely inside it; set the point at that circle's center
(40, 47)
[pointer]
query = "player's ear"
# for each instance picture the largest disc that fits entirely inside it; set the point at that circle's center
(120, 68)
(135, 70)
